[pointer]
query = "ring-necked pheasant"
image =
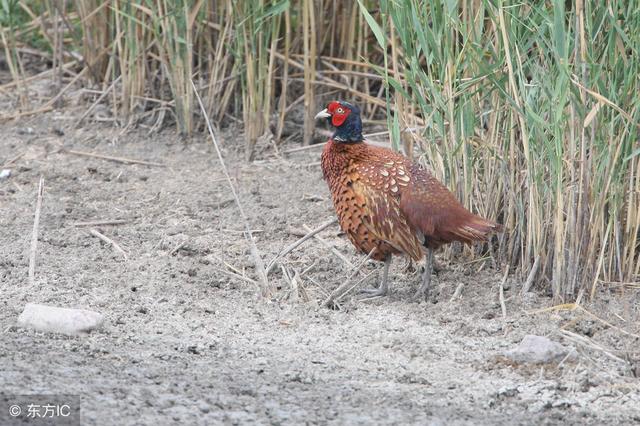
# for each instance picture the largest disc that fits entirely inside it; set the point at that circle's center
(389, 204)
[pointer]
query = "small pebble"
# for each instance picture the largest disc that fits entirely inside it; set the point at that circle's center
(5, 174)
(26, 131)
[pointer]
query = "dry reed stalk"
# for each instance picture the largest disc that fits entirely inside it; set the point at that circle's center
(95, 20)
(309, 61)
(218, 95)
(531, 277)
(284, 82)
(15, 66)
(267, 289)
(58, 9)
(34, 234)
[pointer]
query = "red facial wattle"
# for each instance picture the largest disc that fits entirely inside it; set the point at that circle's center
(338, 119)
(338, 112)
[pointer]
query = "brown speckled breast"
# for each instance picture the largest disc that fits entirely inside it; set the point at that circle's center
(366, 195)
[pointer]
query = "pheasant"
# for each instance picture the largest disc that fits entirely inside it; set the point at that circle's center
(388, 205)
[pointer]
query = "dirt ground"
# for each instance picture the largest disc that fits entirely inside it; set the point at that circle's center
(187, 341)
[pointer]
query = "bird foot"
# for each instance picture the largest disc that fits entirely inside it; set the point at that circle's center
(374, 292)
(422, 295)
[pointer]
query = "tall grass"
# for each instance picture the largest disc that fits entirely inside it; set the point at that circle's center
(528, 111)
(531, 115)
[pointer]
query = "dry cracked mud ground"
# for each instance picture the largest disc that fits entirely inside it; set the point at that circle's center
(187, 341)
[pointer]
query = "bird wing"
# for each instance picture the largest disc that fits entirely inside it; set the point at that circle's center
(382, 215)
(432, 209)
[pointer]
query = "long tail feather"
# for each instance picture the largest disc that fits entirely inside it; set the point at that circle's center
(476, 228)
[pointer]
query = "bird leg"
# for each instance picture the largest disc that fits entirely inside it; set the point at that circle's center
(384, 285)
(423, 291)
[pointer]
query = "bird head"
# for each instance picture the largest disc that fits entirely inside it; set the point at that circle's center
(346, 119)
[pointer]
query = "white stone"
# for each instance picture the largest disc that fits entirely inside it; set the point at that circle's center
(538, 349)
(5, 173)
(59, 320)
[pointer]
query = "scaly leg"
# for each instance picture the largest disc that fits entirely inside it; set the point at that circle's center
(423, 291)
(384, 285)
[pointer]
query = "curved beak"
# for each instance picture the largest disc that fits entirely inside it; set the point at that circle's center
(322, 114)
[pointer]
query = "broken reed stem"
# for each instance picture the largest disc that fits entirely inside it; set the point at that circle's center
(457, 293)
(108, 240)
(590, 344)
(116, 159)
(34, 234)
(266, 289)
(532, 275)
(299, 242)
(178, 247)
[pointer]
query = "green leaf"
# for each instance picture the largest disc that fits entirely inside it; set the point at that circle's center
(635, 153)
(560, 38)
(395, 132)
(377, 30)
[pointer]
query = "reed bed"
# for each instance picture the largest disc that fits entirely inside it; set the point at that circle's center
(527, 110)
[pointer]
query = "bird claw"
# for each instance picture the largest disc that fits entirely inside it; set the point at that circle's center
(422, 295)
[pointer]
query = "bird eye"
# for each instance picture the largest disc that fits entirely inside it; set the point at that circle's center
(340, 111)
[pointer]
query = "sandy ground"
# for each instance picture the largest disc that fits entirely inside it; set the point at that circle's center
(187, 341)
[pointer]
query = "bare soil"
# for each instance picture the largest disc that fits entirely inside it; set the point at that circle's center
(188, 341)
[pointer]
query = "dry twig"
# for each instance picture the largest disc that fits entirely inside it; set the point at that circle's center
(13, 160)
(178, 247)
(591, 344)
(111, 158)
(457, 293)
(108, 240)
